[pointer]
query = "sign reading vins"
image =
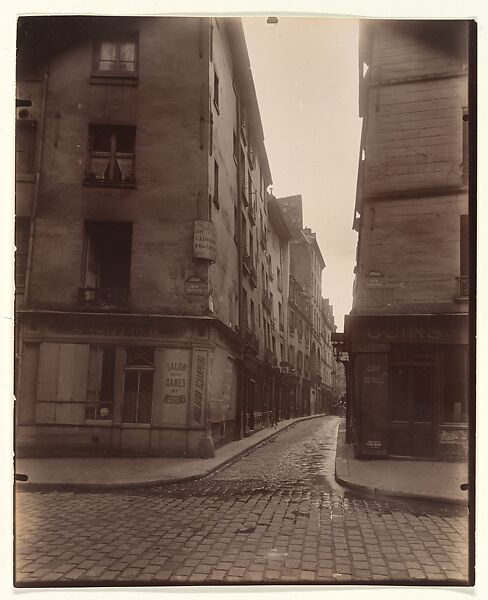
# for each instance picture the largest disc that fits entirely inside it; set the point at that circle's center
(175, 386)
(204, 240)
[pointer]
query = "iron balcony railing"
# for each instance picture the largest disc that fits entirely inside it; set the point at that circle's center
(103, 296)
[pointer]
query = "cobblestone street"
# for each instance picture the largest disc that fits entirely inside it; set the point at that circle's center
(275, 515)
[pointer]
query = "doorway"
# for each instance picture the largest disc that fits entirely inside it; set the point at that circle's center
(411, 402)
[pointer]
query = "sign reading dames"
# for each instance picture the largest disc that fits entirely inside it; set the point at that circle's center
(204, 240)
(175, 386)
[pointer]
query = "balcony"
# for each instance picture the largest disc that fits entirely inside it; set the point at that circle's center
(251, 212)
(270, 358)
(273, 324)
(244, 197)
(102, 297)
(249, 269)
(252, 340)
(282, 328)
(267, 303)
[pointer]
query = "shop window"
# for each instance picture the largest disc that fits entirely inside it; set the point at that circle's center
(107, 263)
(138, 385)
(116, 57)
(25, 147)
(111, 155)
(455, 384)
(22, 230)
(100, 383)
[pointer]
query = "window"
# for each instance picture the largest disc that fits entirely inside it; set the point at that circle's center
(216, 91)
(455, 367)
(100, 383)
(111, 154)
(138, 384)
(107, 263)
(253, 316)
(244, 307)
(251, 247)
(464, 257)
(116, 57)
(250, 188)
(216, 185)
(280, 313)
(25, 147)
(22, 230)
(235, 147)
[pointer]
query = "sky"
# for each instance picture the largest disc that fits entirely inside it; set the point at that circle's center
(305, 72)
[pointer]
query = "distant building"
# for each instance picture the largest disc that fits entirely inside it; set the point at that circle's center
(407, 334)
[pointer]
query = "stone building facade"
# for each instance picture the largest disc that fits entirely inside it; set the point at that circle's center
(407, 334)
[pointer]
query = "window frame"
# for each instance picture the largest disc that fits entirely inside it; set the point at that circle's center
(112, 155)
(138, 368)
(115, 75)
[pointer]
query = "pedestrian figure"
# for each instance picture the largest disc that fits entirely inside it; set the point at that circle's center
(272, 419)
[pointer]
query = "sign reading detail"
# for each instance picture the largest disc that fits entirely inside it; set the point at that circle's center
(175, 386)
(204, 240)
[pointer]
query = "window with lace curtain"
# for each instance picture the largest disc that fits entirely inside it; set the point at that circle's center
(115, 57)
(111, 155)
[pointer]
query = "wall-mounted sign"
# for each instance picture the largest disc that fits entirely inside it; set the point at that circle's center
(194, 286)
(205, 240)
(175, 386)
(409, 329)
(374, 279)
(199, 385)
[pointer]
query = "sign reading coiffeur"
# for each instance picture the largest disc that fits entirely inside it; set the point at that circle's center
(204, 240)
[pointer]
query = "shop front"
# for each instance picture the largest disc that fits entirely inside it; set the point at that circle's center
(114, 384)
(409, 385)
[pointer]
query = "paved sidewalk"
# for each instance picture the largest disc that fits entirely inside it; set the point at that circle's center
(98, 473)
(425, 480)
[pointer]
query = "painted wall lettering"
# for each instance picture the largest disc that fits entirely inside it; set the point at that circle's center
(199, 382)
(175, 386)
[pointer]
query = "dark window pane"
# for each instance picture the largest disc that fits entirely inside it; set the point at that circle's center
(125, 139)
(107, 383)
(455, 385)
(422, 393)
(130, 397)
(399, 400)
(101, 138)
(145, 396)
(25, 147)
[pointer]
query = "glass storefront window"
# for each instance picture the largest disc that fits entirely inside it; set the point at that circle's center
(455, 377)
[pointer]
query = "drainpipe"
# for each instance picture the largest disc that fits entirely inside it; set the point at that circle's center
(36, 188)
(30, 245)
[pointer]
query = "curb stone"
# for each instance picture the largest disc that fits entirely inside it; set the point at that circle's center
(103, 487)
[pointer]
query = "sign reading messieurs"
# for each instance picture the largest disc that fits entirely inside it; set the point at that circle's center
(204, 240)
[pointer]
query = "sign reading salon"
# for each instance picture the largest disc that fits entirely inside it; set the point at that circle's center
(175, 386)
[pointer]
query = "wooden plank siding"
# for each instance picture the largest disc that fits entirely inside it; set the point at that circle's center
(414, 137)
(62, 381)
(415, 244)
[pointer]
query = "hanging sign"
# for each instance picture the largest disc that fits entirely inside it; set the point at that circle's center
(204, 240)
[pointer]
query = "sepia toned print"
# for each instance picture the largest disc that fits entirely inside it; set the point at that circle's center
(189, 407)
